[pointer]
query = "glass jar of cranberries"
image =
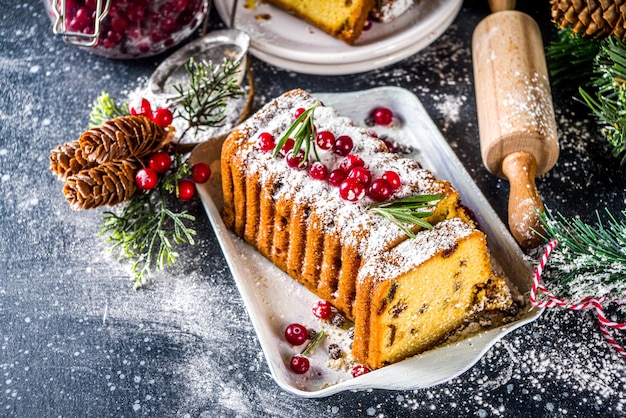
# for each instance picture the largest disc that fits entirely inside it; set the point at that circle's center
(126, 28)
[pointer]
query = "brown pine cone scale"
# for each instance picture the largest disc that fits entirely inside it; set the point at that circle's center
(593, 18)
(124, 137)
(67, 159)
(106, 184)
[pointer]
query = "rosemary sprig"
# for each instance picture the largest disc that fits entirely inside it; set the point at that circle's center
(408, 211)
(589, 260)
(146, 230)
(105, 109)
(304, 127)
(204, 98)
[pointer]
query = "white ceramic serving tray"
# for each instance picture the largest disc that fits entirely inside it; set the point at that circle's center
(274, 300)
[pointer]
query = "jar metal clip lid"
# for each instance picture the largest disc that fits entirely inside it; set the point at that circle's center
(78, 38)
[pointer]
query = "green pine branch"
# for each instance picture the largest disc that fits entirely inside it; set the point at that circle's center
(204, 98)
(589, 260)
(105, 109)
(570, 59)
(146, 231)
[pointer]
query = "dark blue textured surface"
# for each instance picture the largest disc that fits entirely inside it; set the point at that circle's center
(76, 340)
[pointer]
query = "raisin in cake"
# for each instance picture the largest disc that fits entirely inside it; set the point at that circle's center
(305, 227)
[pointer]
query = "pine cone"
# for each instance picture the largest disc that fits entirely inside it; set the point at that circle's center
(122, 138)
(593, 18)
(68, 159)
(106, 184)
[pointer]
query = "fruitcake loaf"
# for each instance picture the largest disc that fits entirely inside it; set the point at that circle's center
(322, 230)
(339, 18)
(412, 296)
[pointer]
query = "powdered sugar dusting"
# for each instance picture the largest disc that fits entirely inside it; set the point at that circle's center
(350, 220)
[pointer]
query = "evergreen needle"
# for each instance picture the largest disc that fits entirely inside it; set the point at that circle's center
(589, 260)
(408, 211)
(105, 109)
(146, 231)
(204, 99)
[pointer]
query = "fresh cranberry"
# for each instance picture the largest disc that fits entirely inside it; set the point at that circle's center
(351, 190)
(119, 23)
(146, 178)
(160, 162)
(200, 173)
(142, 109)
(83, 18)
(336, 177)
(180, 5)
(361, 174)
(380, 190)
(299, 364)
(186, 189)
(135, 13)
(296, 161)
(359, 370)
(299, 111)
(169, 24)
(288, 146)
(393, 178)
(266, 142)
(322, 309)
(368, 25)
(325, 140)
(296, 334)
(350, 161)
(318, 171)
(382, 116)
(343, 145)
(163, 117)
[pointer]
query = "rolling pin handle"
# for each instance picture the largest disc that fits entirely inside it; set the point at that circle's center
(525, 204)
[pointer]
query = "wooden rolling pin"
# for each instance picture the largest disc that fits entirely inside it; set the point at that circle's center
(518, 136)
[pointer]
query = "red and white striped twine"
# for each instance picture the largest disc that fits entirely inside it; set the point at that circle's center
(586, 303)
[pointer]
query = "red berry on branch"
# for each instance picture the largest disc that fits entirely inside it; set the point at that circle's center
(163, 117)
(160, 162)
(296, 334)
(299, 364)
(186, 189)
(142, 108)
(146, 178)
(200, 173)
(322, 309)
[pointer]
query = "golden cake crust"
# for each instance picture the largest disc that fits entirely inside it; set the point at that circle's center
(343, 19)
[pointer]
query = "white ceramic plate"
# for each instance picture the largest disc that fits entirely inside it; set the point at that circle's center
(274, 300)
(288, 42)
